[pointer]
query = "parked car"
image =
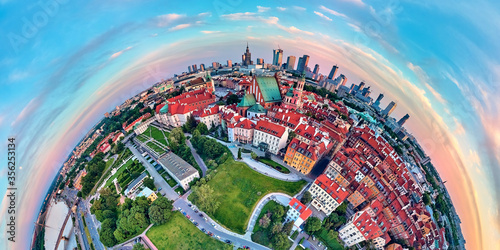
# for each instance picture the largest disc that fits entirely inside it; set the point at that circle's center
(187, 216)
(196, 223)
(210, 234)
(201, 215)
(196, 211)
(189, 205)
(228, 241)
(203, 230)
(184, 213)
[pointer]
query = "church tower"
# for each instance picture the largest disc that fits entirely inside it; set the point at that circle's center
(293, 97)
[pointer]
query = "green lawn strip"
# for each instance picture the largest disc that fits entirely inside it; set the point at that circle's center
(156, 134)
(274, 165)
(298, 248)
(142, 138)
(180, 190)
(238, 188)
(118, 172)
(180, 233)
(170, 181)
(89, 239)
(329, 241)
(295, 234)
(155, 148)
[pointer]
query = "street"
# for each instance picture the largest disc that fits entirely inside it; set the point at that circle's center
(197, 157)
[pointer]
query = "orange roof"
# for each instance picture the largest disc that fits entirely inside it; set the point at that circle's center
(312, 150)
(367, 226)
(246, 124)
(304, 211)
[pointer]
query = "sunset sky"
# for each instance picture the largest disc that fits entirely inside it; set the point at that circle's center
(64, 64)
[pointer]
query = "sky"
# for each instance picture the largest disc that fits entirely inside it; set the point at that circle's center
(64, 64)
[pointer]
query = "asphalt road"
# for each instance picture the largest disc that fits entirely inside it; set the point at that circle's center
(82, 231)
(219, 233)
(93, 231)
(197, 158)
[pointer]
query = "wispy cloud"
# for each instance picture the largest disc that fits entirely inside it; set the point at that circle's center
(299, 8)
(354, 27)
(332, 11)
(281, 8)
(356, 2)
(263, 9)
(167, 19)
(210, 31)
(117, 54)
(322, 15)
(180, 26)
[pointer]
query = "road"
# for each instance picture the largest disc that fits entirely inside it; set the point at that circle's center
(83, 207)
(210, 226)
(167, 191)
(81, 234)
(197, 157)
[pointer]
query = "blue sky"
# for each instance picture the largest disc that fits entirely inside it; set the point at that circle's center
(438, 61)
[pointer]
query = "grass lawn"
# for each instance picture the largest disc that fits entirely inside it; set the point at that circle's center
(238, 189)
(298, 248)
(330, 242)
(170, 181)
(156, 134)
(155, 148)
(180, 233)
(142, 138)
(295, 234)
(274, 165)
(89, 239)
(180, 190)
(109, 163)
(118, 172)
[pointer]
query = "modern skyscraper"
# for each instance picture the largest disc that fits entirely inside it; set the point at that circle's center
(246, 58)
(403, 120)
(333, 72)
(361, 86)
(277, 57)
(303, 61)
(202, 67)
(290, 62)
(316, 69)
(379, 98)
(260, 61)
(366, 92)
(229, 63)
(195, 68)
(387, 111)
(190, 69)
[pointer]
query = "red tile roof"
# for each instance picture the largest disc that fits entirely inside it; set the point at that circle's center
(301, 208)
(332, 188)
(246, 124)
(270, 128)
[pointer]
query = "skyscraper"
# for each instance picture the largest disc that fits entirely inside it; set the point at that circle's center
(195, 68)
(379, 98)
(277, 57)
(290, 62)
(190, 69)
(303, 61)
(387, 111)
(333, 72)
(246, 58)
(260, 61)
(403, 120)
(202, 67)
(229, 63)
(316, 69)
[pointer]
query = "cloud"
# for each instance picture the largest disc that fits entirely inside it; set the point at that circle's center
(322, 15)
(293, 29)
(356, 2)
(281, 8)
(299, 8)
(354, 27)
(18, 75)
(210, 31)
(332, 11)
(117, 54)
(424, 79)
(29, 109)
(180, 26)
(263, 9)
(167, 19)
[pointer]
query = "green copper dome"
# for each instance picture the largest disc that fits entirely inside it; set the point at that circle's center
(164, 109)
(247, 101)
(290, 92)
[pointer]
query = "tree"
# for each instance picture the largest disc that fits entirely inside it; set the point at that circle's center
(264, 221)
(150, 183)
(426, 199)
(276, 228)
(160, 210)
(342, 209)
(306, 198)
(202, 128)
(254, 155)
(106, 235)
(287, 228)
(278, 213)
(313, 224)
(280, 241)
(232, 99)
(178, 135)
(239, 153)
(204, 198)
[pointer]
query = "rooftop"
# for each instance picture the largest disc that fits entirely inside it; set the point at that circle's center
(177, 166)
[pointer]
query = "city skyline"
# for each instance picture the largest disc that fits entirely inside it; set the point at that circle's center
(451, 101)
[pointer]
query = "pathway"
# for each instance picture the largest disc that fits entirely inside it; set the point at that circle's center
(197, 157)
